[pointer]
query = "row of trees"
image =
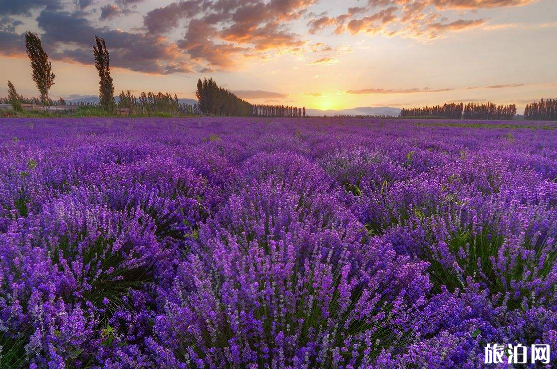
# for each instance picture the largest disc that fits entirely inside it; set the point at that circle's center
(489, 111)
(486, 111)
(277, 111)
(147, 103)
(216, 100)
(542, 110)
(452, 111)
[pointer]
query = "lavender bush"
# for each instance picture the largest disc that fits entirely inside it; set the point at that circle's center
(286, 243)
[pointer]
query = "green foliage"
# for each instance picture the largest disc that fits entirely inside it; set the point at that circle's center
(481, 248)
(353, 189)
(108, 275)
(475, 253)
(409, 158)
(31, 164)
(12, 349)
(212, 138)
(21, 206)
(108, 335)
(92, 111)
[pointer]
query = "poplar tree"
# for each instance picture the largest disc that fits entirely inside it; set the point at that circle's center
(42, 68)
(102, 63)
(13, 97)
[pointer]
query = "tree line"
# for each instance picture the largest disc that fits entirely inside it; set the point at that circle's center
(489, 111)
(148, 102)
(485, 111)
(278, 111)
(215, 100)
(542, 110)
(452, 111)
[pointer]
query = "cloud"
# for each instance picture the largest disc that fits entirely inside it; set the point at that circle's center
(503, 26)
(220, 31)
(11, 44)
(206, 70)
(422, 19)
(319, 47)
(128, 2)
(320, 23)
(220, 34)
(258, 94)
(165, 19)
(111, 11)
(367, 91)
(349, 23)
(24, 7)
(83, 4)
(326, 61)
(457, 25)
(134, 51)
(199, 45)
(425, 90)
(373, 23)
(511, 85)
(478, 4)
(8, 24)
(507, 86)
(269, 36)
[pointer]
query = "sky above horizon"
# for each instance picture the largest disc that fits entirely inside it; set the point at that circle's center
(320, 54)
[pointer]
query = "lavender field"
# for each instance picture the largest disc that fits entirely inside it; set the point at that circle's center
(274, 243)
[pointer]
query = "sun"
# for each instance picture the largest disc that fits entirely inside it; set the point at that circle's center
(326, 104)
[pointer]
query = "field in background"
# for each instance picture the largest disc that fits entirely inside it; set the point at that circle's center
(231, 242)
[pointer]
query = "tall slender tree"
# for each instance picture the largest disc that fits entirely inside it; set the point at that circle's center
(42, 68)
(13, 97)
(102, 63)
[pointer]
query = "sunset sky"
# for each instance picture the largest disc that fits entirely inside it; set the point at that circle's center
(321, 54)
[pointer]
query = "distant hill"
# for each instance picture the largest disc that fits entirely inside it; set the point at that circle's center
(95, 100)
(82, 99)
(366, 110)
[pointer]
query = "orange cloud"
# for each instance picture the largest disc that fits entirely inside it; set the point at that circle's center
(426, 90)
(367, 91)
(457, 25)
(325, 61)
(426, 19)
(478, 4)
(373, 23)
(220, 34)
(258, 94)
